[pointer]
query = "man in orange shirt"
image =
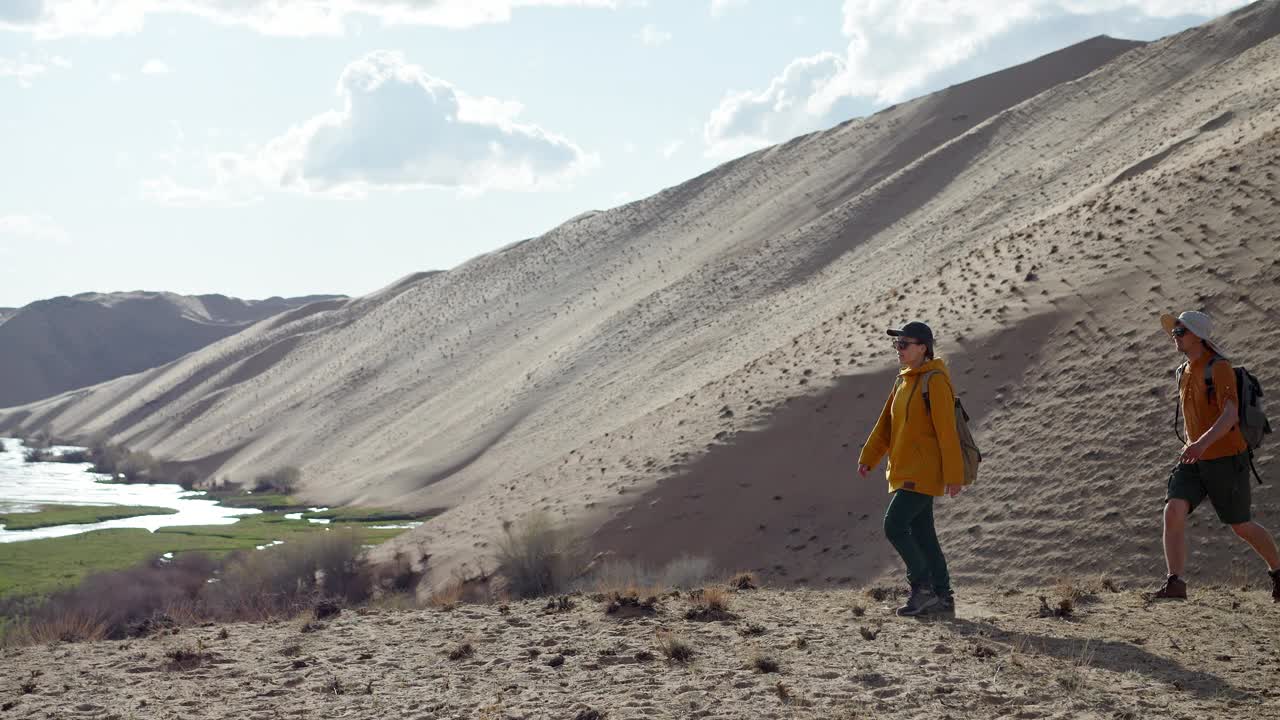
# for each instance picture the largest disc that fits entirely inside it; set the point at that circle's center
(1215, 460)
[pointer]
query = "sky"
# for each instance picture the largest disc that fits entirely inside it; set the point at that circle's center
(289, 147)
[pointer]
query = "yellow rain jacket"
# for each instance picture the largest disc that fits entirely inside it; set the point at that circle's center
(923, 448)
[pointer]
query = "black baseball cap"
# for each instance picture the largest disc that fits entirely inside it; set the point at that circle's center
(915, 331)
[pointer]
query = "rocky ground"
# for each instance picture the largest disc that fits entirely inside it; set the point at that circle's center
(832, 654)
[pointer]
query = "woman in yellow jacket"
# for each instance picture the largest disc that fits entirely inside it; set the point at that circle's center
(924, 462)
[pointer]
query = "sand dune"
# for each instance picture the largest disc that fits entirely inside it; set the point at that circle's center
(694, 372)
(52, 346)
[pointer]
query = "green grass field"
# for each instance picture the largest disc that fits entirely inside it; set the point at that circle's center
(39, 567)
(50, 515)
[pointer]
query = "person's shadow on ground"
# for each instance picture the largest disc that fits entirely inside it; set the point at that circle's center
(1116, 656)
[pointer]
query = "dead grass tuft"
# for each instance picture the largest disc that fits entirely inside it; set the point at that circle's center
(462, 652)
(629, 604)
(710, 604)
(674, 647)
(764, 664)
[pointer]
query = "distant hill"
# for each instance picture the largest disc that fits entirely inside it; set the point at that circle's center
(55, 345)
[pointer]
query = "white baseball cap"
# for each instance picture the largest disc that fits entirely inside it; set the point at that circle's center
(1200, 324)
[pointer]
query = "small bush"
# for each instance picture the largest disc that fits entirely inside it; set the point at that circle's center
(282, 480)
(462, 652)
(710, 604)
(629, 604)
(188, 478)
(187, 657)
(674, 648)
(752, 630)
(74, 457)
(743, 581)
(764, 664)
(37, 455)
(561, 604)
(534, 557)
(867, 633)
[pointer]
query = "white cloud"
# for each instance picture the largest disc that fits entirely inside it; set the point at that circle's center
(38, 229)
(23, 69)
(398, 128)
(155, 67)
(720, 7)
(650, 35)
(895, 47)
(57, 18)
(671, 148)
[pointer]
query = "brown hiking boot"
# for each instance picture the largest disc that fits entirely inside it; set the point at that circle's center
(1174, 588)
(1275, 585)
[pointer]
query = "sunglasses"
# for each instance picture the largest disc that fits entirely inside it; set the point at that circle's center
(1178, 331)
(904, 344)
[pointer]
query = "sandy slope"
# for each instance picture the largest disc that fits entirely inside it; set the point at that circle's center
(1117, 657)
(694, 372)
(51, 346)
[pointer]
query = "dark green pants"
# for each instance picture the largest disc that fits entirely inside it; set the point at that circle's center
(908, 523)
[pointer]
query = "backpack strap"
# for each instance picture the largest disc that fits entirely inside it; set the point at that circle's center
(1254, 468)
(1208, 376)
(927, 406)
(1177, 403)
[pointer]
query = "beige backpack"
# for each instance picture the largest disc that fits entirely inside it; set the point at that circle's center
(968, 448)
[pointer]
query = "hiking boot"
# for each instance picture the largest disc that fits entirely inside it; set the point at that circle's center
(1174, 588)
(946, 603)
(1275, 585)
(920, 601)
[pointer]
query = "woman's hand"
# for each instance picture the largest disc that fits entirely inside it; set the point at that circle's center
(864, 470)
(954, 490)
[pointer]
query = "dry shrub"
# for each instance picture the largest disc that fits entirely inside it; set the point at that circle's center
(400, 575)
(879, 593)
(1064, 608)
(186, 657)
(281, 480)
(752, 630)
(710, 604)
(123, 603)
(447, 597)
(629, 603)
(764, 664)
(286, 580)
(743, 581)
(462, 652)
(561, 604)
(674, 647)
(534, 557)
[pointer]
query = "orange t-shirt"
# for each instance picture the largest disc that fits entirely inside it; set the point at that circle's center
(1200, 410)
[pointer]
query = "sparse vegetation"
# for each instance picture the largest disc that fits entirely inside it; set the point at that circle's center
(462, 651)
(534, 557)
(743, 581)
(282, 481)
(710, 604)
(675, 648)
(317, 576)
(51, 515)
(764, 664)
(629, 603)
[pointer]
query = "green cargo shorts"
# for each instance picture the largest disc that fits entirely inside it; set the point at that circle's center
(1225, 481)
